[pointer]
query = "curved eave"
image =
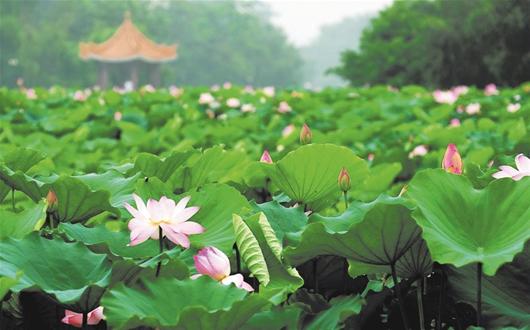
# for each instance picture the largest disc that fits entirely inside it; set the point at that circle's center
(128, 59)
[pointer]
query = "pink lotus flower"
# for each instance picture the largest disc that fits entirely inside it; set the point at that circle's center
(460, 90)
(473, 108)
(420, 150)
(233, 102)
(306, 135)
(76, 319)
(248, 89)
(288, 130)
(490, 90)
(513, 107)
(266, 157)
(118, 116)
(165, 214)
(455, 122)
(206, 98)
(80, 96)
(212, 262)
(247, 107)
(452, 161)
(269, 91)
(370, 157)
(227, 85)
(284, 107)
(445, 97)
(344, 180)
(523, 169)
(175, 91)
(31, 94)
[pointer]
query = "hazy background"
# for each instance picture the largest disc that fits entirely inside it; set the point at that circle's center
(437, 43)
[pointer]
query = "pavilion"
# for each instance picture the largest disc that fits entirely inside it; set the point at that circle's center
(128, 45)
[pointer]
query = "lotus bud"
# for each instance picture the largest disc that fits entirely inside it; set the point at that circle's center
(51, 200)
(266, 157)
(76, 319)
(344, 180)
(452, 161)
(305, 135)
(212, 262)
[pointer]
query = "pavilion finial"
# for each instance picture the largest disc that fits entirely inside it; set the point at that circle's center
(127, 15)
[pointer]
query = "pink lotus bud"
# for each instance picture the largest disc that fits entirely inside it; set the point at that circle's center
(288, 130)
(118, 116)
(420, 150)
(206, 98)
(269, 91)
(344, 180)
(266, 157)
(51, 200)
(247, 107)
(490, 90)
(455, 122)
(445, 97)
(175, 91)
(371, 157)
(284, 107)
(76, 319)
(227, 85)
(452, 161)
(212, 262)
(460, 90)
(305, 135)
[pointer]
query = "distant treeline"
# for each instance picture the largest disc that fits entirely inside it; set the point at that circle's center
(443, 43)
(218, 42)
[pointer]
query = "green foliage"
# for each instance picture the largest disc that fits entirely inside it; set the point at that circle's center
(443, 43)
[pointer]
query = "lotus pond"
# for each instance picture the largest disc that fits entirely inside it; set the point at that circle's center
(243, 208)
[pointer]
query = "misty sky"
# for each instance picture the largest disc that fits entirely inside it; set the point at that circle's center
(302, 19)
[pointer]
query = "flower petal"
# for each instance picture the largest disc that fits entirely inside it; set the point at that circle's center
(185, 214)
(141, 235)
(140, 206)
(181, 205)
(175, 237)
(239, 282)
(188, 228)
(522, 162)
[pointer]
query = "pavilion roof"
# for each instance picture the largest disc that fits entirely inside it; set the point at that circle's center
(127, 44)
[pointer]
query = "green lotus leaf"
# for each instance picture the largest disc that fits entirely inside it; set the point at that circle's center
(284, 221)
(341, 308)
(18, 225)
(416, 263)
(76, 202)
(34, 188)
(276, 279)
(310, 172)
(180, 305)
(6, 283)
(217, 202)
(504, 296)
(65, 270)
(152, 166)
(381, 177)
(278, 318)
(462, 225)
(377, 235)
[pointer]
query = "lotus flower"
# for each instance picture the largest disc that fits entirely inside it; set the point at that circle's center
(473, 108)
(80, 96)
(523, 169)
(288, 130)
(513, 107)
(247, 107)
(165, 214)
(445, 97)
(51, 200)
(455, 122)
(490, 90)
(227, 85)
(248, 89)
(305, 135)
(76, 319)
(233, 102)
(420, 150)
(213, 262)
(269, 91)
(284, 107)
(460, 90)
(206, 98)
(31, 94)
(370, 157)
(175, 91)
(266, 157)
(344, 180)
(215, 88)
(452, 161)
(118, 116)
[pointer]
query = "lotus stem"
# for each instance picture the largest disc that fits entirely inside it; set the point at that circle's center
(85, 321)
(346, 198)
(238, 259)
(161, 246)
(440, 300)
(401, 302)
(315, 274)
(13, 199)
(479, 294)
(419, 297)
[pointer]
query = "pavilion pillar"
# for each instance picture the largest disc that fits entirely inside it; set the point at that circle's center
(103, 79)
(134, 74)
(155, 74)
